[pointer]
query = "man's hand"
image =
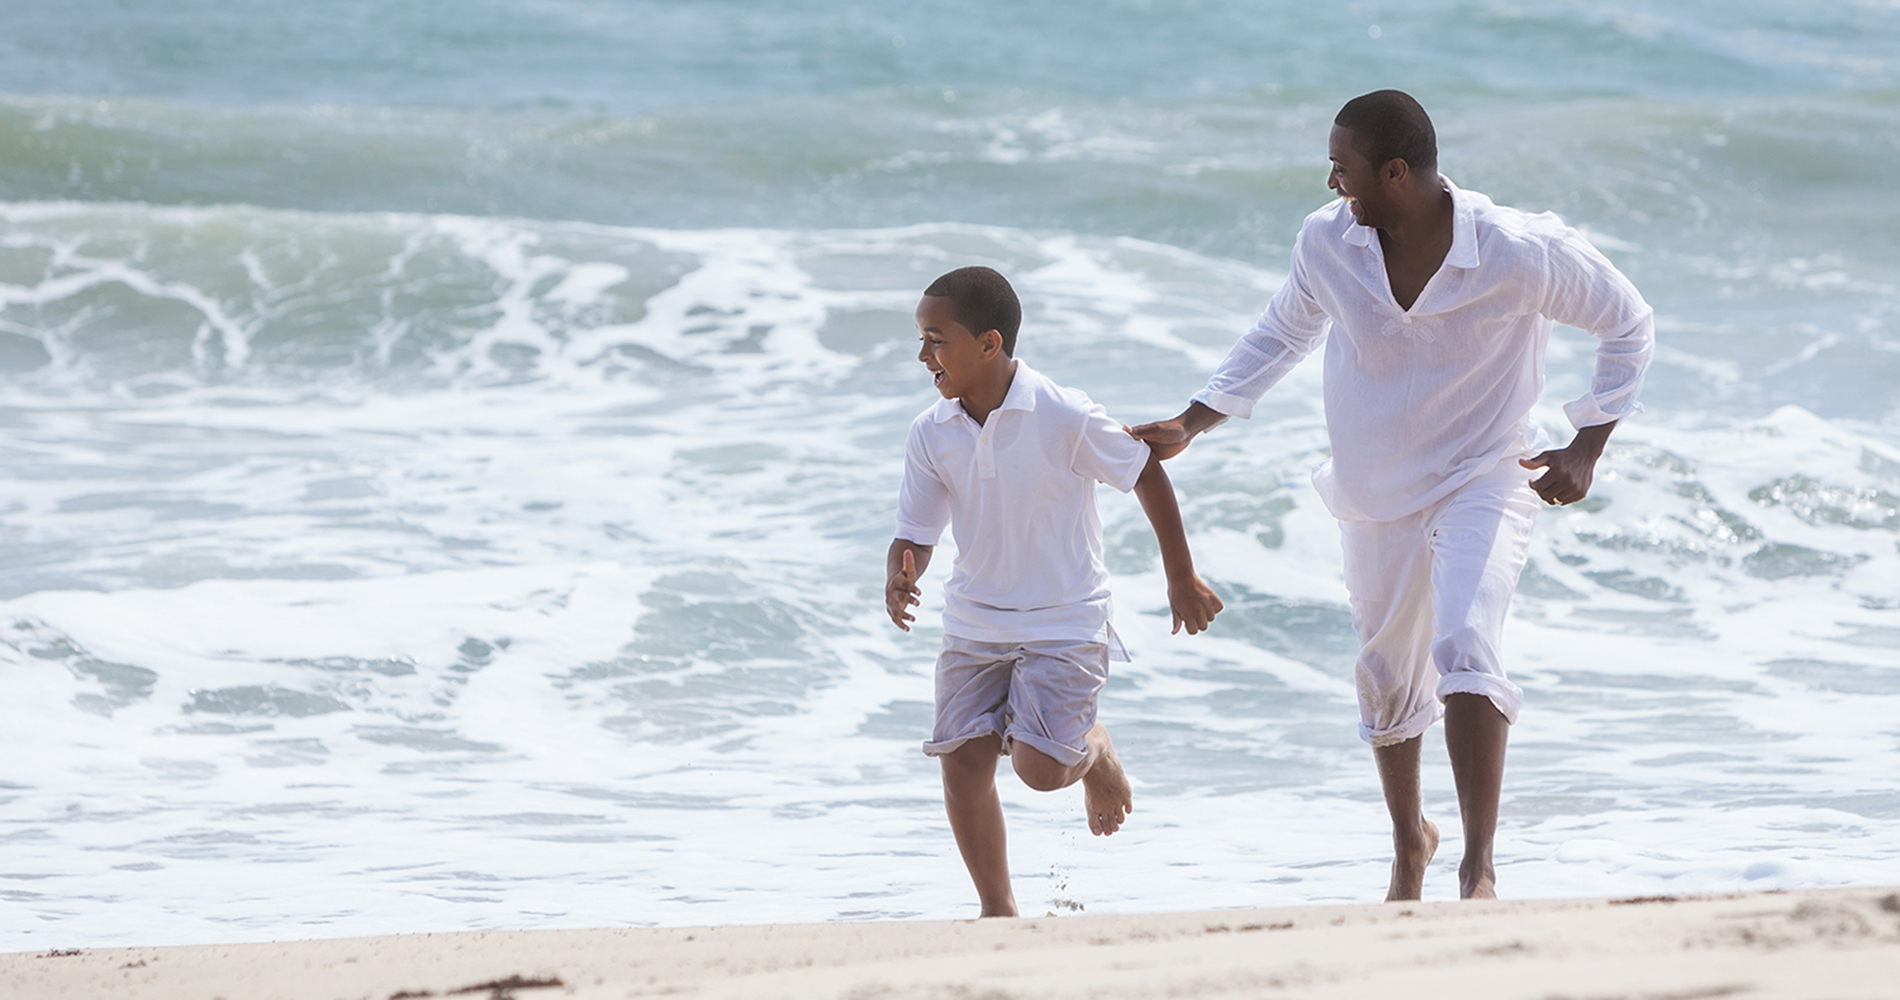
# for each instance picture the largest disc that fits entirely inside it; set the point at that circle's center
(1193, 604)
(901, 593)
(1568, 471)
(1168, 438)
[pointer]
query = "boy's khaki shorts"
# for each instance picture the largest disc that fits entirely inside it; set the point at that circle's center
(1040, 693)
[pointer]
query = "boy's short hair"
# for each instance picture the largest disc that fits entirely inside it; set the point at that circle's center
(982, 301)
(1391, 125)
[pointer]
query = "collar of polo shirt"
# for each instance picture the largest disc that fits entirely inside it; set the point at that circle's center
(1021, 396)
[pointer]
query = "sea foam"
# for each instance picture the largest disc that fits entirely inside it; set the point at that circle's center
(453, 572)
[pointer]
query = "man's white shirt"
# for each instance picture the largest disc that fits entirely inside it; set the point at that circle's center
(1018, 493)
(1420, 402)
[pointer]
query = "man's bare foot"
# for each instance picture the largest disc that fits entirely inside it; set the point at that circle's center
(1106, 794)
(1478, 885)
(1408, 865)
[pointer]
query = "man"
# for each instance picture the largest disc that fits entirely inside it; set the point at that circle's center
(1439, 304)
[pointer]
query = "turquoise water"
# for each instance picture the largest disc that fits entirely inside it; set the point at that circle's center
(450, 450)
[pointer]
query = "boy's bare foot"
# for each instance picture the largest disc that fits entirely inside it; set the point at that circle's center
(1106, 794)
(1409, 863)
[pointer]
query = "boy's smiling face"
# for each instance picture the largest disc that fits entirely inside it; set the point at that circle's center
(959, 361)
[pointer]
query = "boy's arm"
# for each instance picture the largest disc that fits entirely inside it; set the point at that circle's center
(903, 564)
(1193, 604)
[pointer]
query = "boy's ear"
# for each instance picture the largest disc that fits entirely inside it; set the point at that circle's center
(991, 343)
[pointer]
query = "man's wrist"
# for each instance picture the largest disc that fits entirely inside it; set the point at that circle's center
(1592, 440)
(1200, 418)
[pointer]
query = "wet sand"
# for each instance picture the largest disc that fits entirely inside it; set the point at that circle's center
(1834, 943)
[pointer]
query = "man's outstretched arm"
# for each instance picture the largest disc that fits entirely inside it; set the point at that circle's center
(1192, 602)
(1292, 325)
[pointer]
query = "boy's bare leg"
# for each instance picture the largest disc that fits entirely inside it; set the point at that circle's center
(976, 818)
(1475, 735)
(1414, 838)
(1107, 796)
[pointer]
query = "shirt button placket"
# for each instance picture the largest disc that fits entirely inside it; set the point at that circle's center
(986, 450)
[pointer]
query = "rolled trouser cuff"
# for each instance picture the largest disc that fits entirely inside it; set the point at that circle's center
(1411, 727)
(1506, 696)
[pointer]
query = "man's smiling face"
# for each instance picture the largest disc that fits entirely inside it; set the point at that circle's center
(1355, 179)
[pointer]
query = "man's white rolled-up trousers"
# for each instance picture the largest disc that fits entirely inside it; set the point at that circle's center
(1430, 592)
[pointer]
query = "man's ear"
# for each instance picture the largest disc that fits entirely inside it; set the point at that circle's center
(1396, 171)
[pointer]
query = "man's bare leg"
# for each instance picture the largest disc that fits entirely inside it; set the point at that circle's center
(1414, 838)
(976, 818)
(1107, 796)
(1475, 734)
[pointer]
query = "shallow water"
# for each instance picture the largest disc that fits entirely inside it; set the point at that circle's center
(448, 459)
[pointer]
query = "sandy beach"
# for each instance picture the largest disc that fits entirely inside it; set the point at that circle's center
(1838, 943)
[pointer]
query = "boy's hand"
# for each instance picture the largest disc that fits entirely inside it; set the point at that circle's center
(901, 593)
(1194, 604)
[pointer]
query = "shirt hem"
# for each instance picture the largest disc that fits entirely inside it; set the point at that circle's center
(1056, 633)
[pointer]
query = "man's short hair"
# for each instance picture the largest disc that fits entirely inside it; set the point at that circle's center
(1390, 125)
(982, 300)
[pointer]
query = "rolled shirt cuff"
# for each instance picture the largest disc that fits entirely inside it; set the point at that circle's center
(1225, 404)
(1586, 412)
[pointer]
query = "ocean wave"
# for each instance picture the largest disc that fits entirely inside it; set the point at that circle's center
(142, 299)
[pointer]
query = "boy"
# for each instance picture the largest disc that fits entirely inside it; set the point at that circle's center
(1010, 461)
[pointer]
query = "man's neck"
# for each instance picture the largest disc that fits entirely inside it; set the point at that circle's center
(1416, 247)
(1424, 222)
(983, 400)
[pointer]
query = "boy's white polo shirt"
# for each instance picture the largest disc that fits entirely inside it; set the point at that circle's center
(1018, 493)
